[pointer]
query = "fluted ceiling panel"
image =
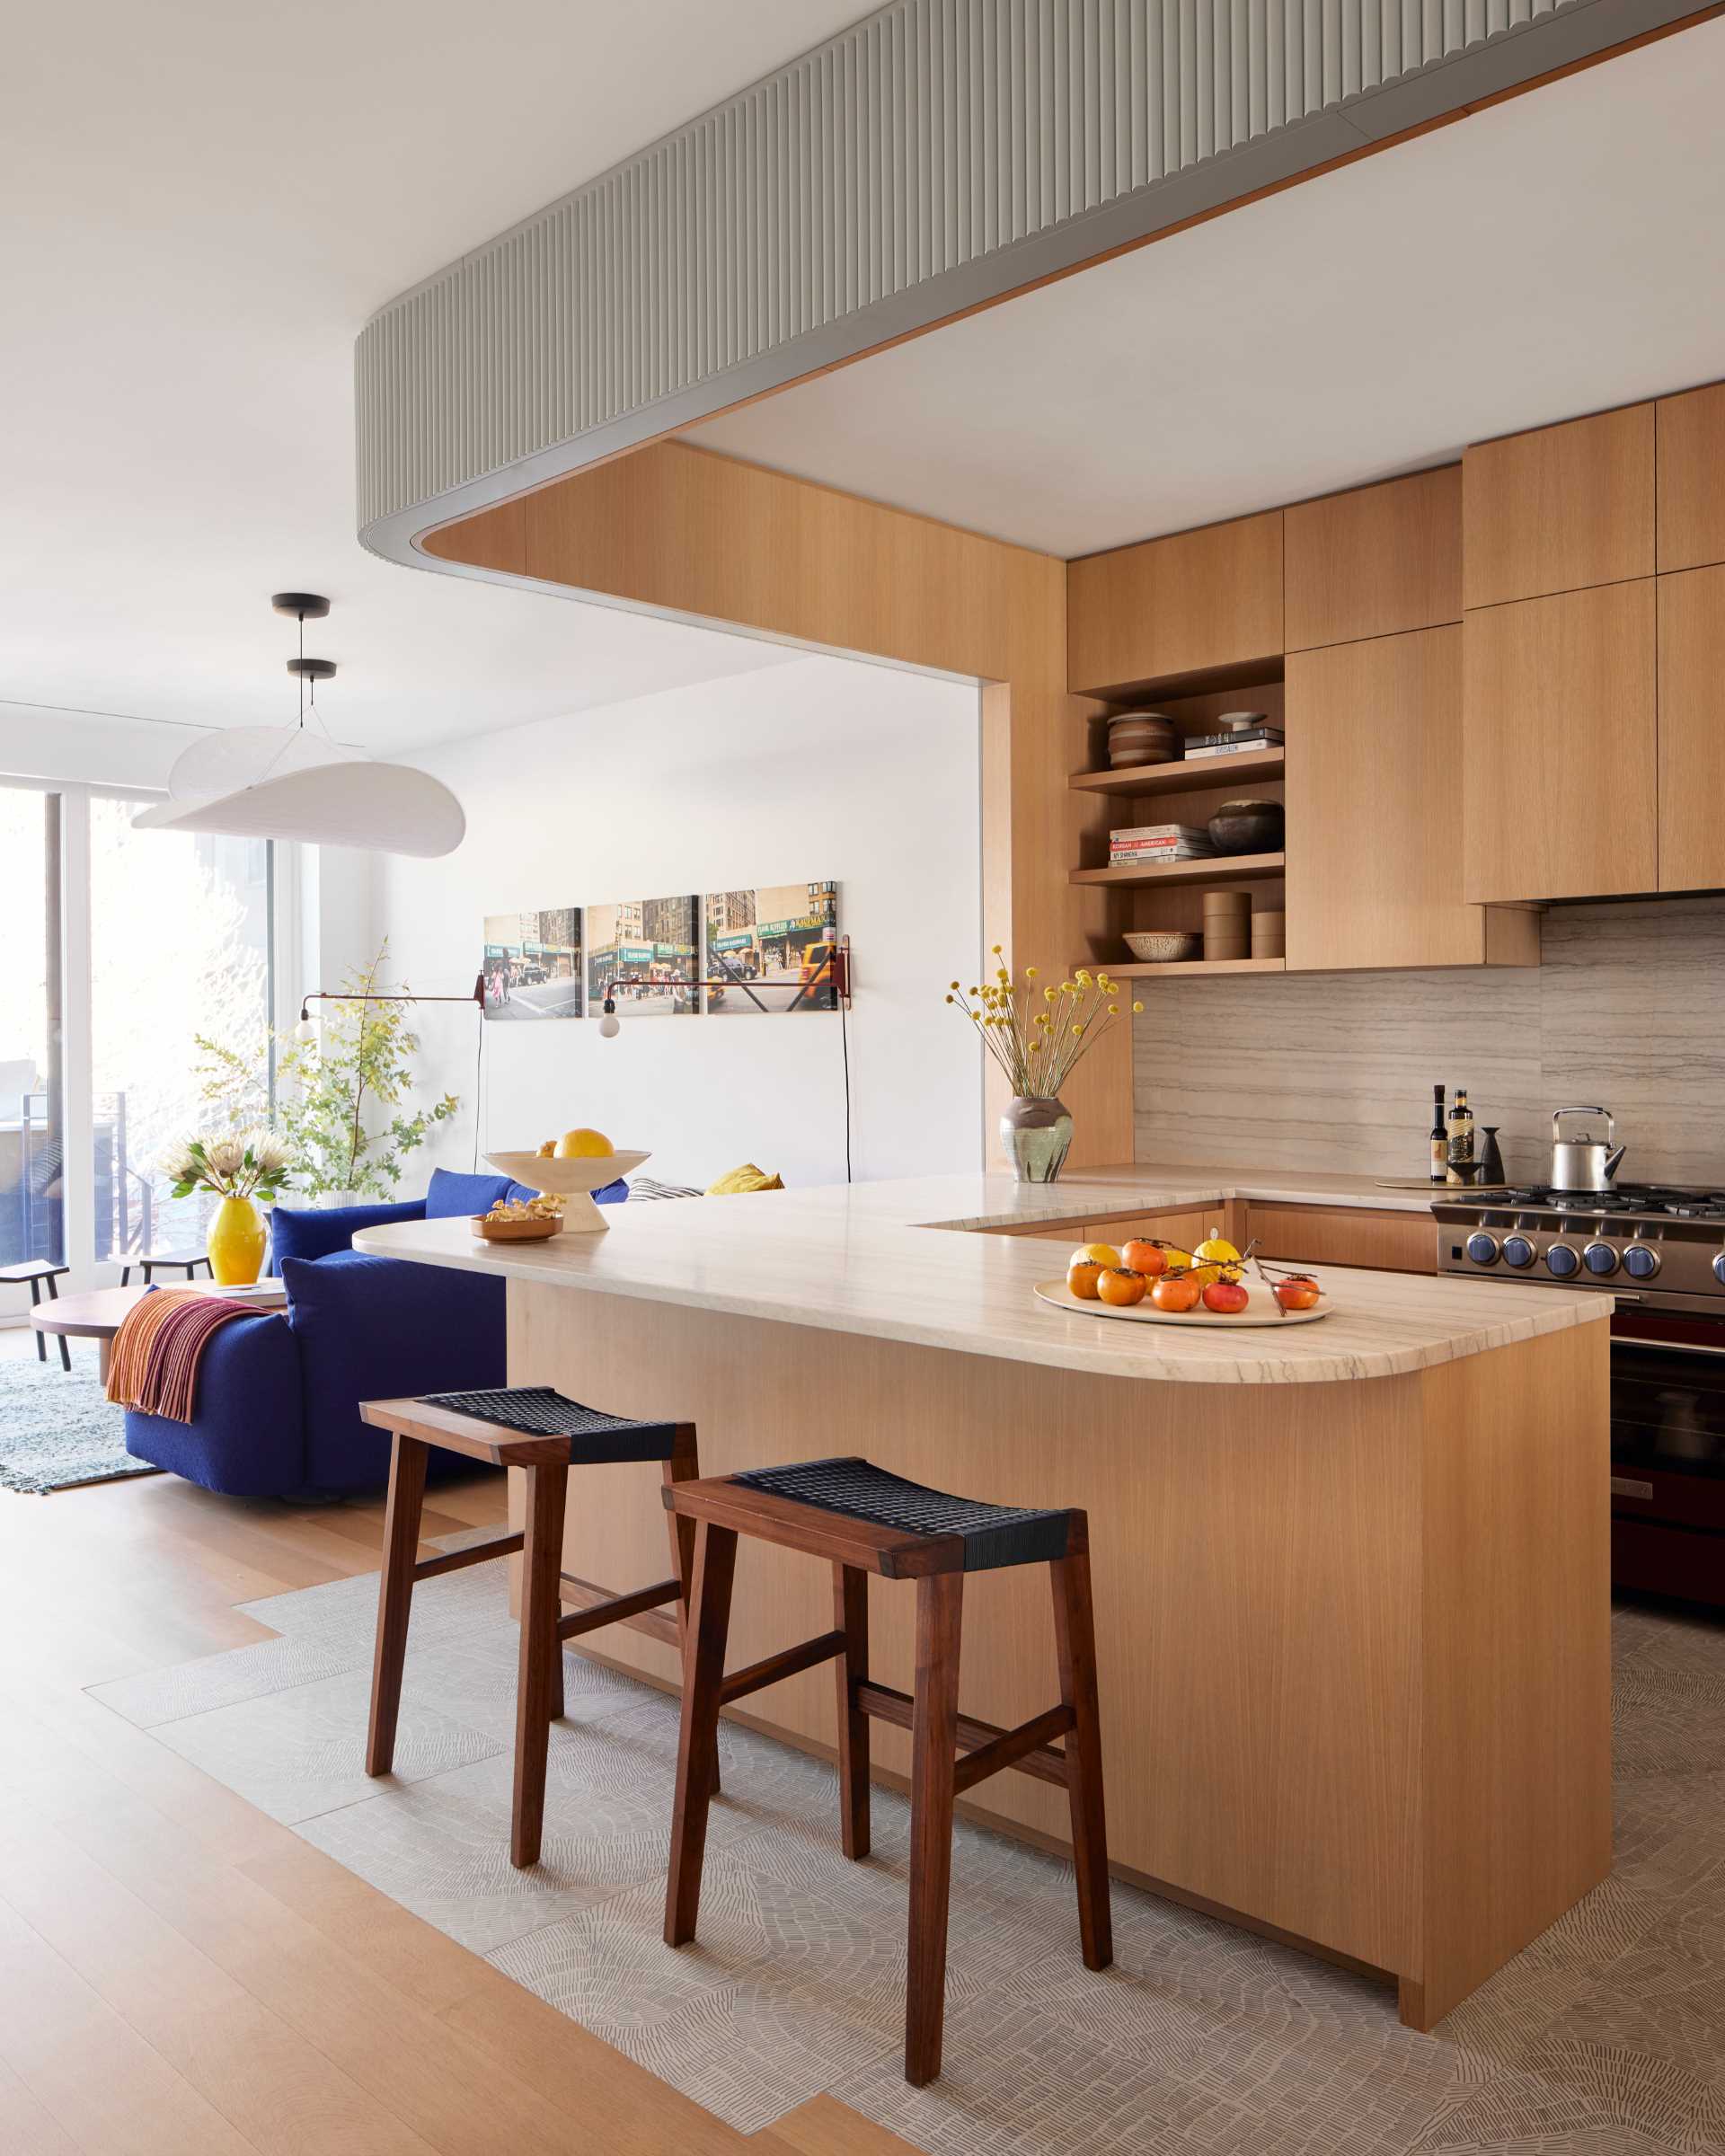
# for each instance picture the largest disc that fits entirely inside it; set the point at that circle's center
(938, 153)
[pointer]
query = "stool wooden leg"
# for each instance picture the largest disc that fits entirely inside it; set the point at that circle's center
(685, 1466)
(407, 1462)
(851, 1617)
(1076, 1644)
(935, 1734)
(541, 1562)
(697, 1748)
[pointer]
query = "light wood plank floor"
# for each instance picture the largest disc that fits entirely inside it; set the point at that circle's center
(181, 1976)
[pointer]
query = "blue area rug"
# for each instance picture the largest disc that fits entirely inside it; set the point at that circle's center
(56, 1428)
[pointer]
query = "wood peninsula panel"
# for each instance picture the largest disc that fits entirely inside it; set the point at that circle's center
(1516, 1435)
(1375, 562)
(683, 532)
(1271, 1687)
(1558, 746)
(1199, 601)
(1383, 1241)
(1559, 508)
(1374, 806)
(1690, 436)
(1691, 741)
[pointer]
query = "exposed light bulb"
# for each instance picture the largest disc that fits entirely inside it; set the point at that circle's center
(305, 1031)
(609, 1026)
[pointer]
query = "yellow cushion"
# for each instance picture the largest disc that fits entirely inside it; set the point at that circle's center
(748, 1176)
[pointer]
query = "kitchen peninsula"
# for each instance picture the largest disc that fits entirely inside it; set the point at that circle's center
(1351, 1578)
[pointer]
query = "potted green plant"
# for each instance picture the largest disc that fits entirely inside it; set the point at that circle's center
(342, 1098)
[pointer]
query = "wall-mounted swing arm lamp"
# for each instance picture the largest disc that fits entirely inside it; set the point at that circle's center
(307, 1028)
(834, 973)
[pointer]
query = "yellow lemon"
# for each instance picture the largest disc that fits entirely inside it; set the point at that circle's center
(1096, 1253)
(1179, 1261)
(583, 1145)
(1218, 1247)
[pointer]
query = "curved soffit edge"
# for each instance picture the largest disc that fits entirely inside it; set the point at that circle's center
(938, 155)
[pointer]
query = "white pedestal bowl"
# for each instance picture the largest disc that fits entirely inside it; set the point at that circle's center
(574, 1181)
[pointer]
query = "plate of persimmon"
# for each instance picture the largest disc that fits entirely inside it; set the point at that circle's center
(1154, 1282)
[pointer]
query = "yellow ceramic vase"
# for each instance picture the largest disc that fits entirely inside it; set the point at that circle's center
(235, 1242)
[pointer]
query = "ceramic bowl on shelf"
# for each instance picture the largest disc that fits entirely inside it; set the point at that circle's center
(1164, 947)
(1247, 828)
(1143, 738)
(574, 1181)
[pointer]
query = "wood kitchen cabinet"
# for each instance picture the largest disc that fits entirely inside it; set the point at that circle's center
(1560, 509)
(1203, 603)
(1384, 1242)
(1375, 864)
(1690, 436)
(1691, 739)
(1558, 775)
(1375, 560)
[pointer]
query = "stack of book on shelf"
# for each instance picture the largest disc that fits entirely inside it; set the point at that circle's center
(1144, 846)
(1264, 734)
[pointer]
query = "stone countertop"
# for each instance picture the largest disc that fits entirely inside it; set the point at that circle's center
(860, 1258)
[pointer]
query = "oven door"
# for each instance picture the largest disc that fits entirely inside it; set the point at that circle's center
(1667, 1459)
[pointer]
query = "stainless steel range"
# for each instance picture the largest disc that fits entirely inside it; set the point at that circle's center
(1660, 1254)
(1652, 1248)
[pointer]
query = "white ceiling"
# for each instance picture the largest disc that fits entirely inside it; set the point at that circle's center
(1549, 256)
(200, 205)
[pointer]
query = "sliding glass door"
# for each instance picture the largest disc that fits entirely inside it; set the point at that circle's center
(120, 950)
(180, 937)
(33, 1093)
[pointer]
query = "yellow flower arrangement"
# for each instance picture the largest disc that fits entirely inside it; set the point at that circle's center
(1038, 1049)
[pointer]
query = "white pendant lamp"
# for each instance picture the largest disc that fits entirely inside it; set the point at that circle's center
(296, 781)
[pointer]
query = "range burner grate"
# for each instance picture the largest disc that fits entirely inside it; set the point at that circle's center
(1627, 1197)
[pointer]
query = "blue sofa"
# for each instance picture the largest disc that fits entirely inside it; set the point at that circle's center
(278, 1395)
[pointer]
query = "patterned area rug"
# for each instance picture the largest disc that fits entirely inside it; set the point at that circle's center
(1606, 2037)
(56, 1428)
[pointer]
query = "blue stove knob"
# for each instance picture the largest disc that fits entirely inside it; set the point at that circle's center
(1641, 1261)
(1719, 1268)
(1482, 1249)
(1517, 1251)
(1561, 1262)
(1599, 1259)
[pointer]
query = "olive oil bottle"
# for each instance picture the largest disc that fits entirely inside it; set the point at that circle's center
(1460, 1131)
(1439, 1137)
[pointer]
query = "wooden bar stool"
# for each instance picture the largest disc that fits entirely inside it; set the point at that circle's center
(37, 1273)
(155, 1261)
(861, 1520)
(537, 1430)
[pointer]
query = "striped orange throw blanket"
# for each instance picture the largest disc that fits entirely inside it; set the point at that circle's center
(159, 1347)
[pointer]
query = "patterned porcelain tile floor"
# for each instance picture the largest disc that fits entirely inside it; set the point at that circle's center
(1606, 2037)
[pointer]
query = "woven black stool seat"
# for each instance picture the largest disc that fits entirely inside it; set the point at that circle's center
(992, 1534)
(541, 1411)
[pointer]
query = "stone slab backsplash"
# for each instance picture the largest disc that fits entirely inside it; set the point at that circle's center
(1335, 1070)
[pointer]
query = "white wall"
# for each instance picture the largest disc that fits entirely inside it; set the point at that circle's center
(823, 768)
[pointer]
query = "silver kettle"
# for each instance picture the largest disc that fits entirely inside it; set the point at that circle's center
(1587, 1163)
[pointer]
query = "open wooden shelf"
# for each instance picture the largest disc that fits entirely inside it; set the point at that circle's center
(1223, 868)
(1209, 771)
(1136, 970)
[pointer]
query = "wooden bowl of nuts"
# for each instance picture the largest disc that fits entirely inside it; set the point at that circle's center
(518, 1220)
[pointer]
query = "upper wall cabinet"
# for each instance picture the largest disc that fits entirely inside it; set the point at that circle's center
(1692, 741)
(1203, 603)
(1374, 875)
(1375, 562)
(1692, 477)
(1558, 509)
(1560, 752)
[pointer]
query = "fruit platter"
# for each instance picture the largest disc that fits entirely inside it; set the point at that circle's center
(569, 1169)
(1150, 1281)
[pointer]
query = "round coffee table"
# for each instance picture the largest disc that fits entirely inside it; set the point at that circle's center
(98, 1313)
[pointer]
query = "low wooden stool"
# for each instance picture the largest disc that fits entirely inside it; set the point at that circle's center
(178, 1261)
(35, 1273)
(536, 1429)
(862, 1519)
